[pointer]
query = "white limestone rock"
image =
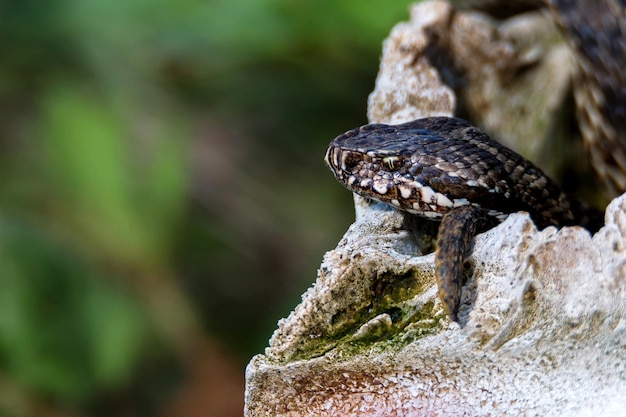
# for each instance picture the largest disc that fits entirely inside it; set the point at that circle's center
(408, 86)
(542, 328)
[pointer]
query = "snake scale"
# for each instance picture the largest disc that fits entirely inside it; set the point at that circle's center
(445, 169)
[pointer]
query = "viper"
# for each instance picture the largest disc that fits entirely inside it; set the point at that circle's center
(445, 169)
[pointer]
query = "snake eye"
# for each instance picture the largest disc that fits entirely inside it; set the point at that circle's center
(392, 162)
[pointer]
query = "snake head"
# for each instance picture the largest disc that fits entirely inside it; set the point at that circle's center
(396, 165)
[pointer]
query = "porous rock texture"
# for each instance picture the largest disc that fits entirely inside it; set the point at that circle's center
(541, 331)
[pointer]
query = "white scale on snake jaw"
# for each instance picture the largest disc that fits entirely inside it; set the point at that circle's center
(405, 192)
(381, 187)
(365, 183)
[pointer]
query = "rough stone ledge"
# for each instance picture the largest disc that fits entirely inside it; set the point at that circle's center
(542, 328)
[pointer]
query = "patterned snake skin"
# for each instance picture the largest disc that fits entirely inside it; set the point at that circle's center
(445, 169)
(596, 31)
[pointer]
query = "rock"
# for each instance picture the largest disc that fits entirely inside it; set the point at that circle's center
(408, 86)
(541, 329)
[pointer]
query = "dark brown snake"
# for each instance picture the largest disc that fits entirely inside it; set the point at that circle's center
(446, 169)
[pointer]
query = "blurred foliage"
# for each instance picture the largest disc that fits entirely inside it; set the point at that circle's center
(162, 195)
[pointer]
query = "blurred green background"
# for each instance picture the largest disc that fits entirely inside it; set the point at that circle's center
(163, 200)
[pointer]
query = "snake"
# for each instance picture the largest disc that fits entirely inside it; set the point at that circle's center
(447, 170)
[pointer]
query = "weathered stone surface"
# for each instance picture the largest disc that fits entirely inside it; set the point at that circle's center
(408, 86)
(542, 328)
(541, 332)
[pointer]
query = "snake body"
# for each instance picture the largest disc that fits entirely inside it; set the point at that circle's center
(596, 32)
(445, 169)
